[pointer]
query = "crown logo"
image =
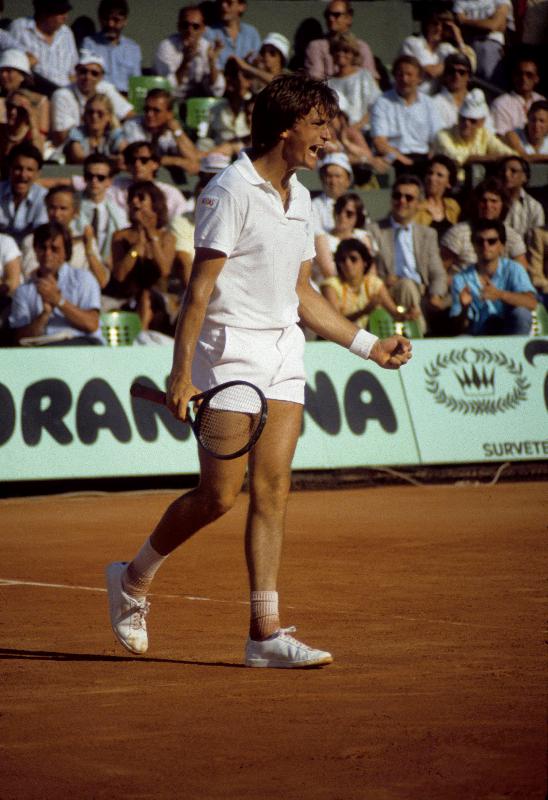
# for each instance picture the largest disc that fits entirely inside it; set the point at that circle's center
(477, 383)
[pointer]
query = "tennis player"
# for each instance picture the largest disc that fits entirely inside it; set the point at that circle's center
(249, 287)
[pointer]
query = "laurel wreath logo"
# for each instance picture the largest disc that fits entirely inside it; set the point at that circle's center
(478, 406)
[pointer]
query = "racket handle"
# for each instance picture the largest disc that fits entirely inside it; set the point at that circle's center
(147, 393)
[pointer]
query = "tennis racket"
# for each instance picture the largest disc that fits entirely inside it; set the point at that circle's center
(229, 418)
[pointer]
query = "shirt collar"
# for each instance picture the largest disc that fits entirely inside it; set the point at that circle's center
(398, 226)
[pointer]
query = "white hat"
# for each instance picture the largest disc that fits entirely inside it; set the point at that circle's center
(339, 159)
(279, 41)
(15, 59)
(214, 162)
(87, 57)
(474, 106)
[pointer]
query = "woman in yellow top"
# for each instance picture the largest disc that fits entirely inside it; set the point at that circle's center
(469, 141)
(437, 210)
(355, 291)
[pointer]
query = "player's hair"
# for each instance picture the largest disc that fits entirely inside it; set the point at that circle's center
(287, 99)
(27, 150)
(157, 199)
(349, 246)
(51, 230)
(59, 188)
(489, 225)
(351, 197)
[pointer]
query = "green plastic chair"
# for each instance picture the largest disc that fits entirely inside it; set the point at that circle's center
(539, 326)
(140, 85)
(383, 324)
(119, 328)
(197, 111)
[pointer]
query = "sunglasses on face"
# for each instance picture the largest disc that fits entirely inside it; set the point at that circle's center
(89, 176)
(483, 240)
(140, 159)
(95, 73)
(334, 14)
(403, 196)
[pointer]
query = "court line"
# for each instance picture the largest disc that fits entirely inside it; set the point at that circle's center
(197, 598)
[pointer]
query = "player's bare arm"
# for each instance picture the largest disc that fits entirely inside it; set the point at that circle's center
(205, 271)
(322, 318)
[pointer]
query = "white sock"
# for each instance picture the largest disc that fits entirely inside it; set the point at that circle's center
(139, 573)
(265, 619)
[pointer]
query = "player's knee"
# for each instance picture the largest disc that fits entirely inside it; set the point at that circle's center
(218, 502)
(270, 495)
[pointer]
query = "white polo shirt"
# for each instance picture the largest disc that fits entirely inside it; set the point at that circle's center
(242, 215)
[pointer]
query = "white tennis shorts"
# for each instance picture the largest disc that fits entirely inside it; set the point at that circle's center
(272, 359)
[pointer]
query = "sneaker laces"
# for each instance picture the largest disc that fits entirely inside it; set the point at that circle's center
(285, 632)
(139, 610)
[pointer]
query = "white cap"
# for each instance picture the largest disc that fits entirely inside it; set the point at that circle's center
(279, 41)
(87, 57)
(339, 159)
(474, 106)
(214, 162)
(15, 59)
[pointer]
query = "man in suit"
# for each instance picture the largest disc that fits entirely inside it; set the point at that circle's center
(409, 260)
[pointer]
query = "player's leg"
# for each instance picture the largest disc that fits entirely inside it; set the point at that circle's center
(128, 584)
(269, 484)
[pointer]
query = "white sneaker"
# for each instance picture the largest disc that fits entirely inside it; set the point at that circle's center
(282, 651)
(127, 614)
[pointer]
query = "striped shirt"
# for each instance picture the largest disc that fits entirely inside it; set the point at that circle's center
(56, 59)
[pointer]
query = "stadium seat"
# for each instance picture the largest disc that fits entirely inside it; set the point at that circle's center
(383, 324)
(140, 85)
(119, 328)
(539, 326)
(197, 111)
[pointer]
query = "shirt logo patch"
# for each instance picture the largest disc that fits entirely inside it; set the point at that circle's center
(209, 202)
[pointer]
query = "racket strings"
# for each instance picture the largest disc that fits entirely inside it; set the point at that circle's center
(229, 420)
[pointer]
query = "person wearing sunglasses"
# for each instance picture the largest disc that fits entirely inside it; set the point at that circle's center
(100, 132)
(96, 209)
(493, 295)
(510, 108)
(68, 104)
(188, 60)
(455, 85)
(318, 61)
(408, 258)
(440, 36)
(142, 162)
(121, 55)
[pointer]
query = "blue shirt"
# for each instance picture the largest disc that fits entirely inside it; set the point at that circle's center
(409, 128)
(122, 60)
(509, 277)
(247, 41)
(404, 255)
(78, 286)
(31, 212)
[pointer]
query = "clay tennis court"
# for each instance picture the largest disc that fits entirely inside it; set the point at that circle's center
(431, 599)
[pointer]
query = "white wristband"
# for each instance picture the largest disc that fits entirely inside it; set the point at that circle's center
(362, 343)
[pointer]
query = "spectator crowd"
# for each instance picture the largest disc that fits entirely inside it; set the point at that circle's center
(453, 127)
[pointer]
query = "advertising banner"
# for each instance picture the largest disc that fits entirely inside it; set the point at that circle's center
(67, 413)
